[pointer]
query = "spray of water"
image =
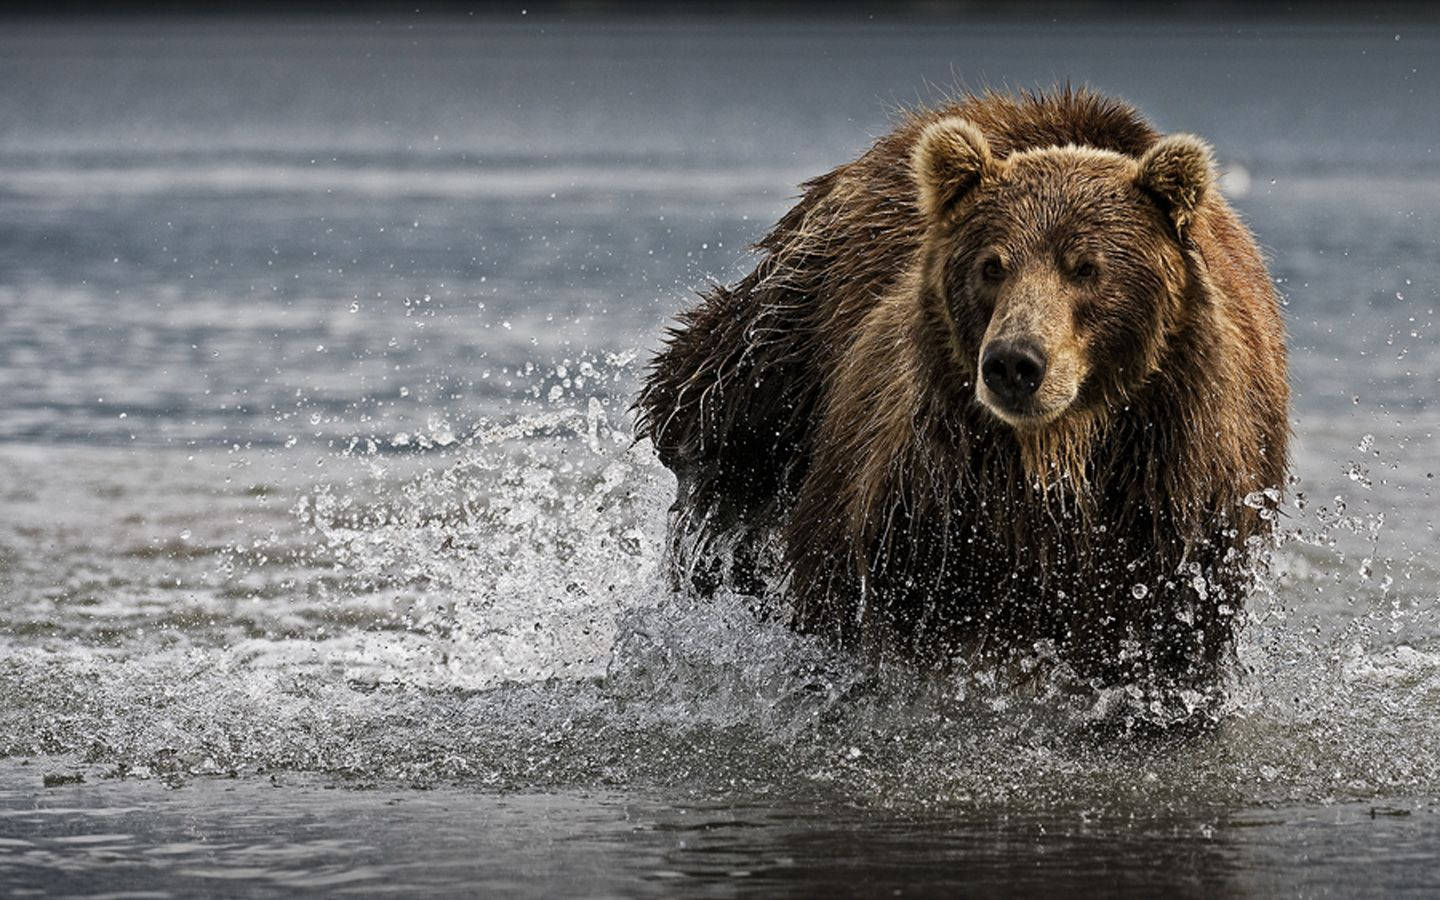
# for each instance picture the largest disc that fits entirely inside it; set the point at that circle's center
(493, 609)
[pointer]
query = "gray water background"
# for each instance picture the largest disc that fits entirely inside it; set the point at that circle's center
(316, 485)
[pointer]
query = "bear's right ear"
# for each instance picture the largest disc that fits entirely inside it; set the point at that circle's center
(1178, 171)
(950, 159)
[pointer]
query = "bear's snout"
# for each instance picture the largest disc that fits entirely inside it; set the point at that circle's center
(1013, 370)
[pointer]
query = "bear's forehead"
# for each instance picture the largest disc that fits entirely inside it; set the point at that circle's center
(1046, 194)
(1069, 173)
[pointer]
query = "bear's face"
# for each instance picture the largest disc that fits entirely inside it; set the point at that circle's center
(1059, 272)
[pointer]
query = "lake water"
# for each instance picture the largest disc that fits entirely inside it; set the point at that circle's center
(327, 560)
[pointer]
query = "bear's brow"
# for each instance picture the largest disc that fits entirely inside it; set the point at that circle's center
(1065, 226)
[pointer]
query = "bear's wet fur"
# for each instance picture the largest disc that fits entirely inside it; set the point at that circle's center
(1013, 381)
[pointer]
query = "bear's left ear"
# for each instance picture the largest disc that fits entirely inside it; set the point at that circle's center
(949, 161)
(1178, 171)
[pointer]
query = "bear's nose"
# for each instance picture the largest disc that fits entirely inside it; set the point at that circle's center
(1012, 370)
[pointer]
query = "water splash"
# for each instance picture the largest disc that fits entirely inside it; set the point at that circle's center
(493, 610)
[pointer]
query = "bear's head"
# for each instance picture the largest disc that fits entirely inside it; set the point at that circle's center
(1059, 273)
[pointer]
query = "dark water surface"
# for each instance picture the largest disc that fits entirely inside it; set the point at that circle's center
(293, 834)
(327, 561)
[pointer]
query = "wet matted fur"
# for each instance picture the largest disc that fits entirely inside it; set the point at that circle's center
(830, 401)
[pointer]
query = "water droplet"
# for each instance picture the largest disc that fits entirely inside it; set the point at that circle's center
(1139, 591)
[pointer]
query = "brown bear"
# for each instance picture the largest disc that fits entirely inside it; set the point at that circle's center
(1012, 382)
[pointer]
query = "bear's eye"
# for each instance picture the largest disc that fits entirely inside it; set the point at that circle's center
(1085, 270)
(992, 270)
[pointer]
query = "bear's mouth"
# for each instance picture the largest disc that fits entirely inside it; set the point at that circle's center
(1021, 415)
(1027, 412)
